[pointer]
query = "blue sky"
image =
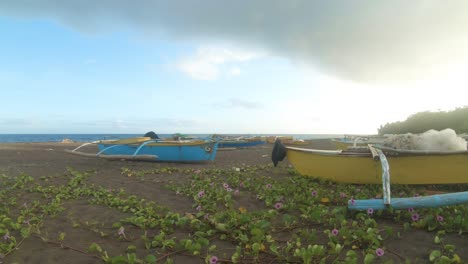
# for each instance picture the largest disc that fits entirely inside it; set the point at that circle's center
(121, 73)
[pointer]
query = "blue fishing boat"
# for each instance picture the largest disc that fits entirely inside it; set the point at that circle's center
(153, 149)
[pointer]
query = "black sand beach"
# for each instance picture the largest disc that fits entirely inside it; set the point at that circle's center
(65, 232)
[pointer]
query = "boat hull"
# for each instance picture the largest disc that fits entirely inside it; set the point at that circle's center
(362, 169)
(329, 166)
(191, 151)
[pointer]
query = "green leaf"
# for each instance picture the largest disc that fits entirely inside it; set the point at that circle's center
(151, 259)
(434, 255)
(449, 247)
(94, 248)
(118, 260)
(369, 258)
(274, 248)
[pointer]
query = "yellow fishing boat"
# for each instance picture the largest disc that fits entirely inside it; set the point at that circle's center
(361, 167)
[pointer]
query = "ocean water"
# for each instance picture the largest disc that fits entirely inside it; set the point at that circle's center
(17, 138)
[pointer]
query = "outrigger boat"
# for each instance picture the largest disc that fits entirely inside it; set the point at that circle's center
(153, 149)
(372, 165)
(356, 165)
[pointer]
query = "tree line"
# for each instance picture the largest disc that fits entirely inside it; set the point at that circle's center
(420, 122)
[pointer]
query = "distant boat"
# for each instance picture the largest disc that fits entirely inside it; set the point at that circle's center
(239, 142)
(146, 148)
(287, 140)
(358, 165)
(357, 140)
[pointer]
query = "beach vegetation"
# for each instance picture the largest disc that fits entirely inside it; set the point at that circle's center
(238, 215)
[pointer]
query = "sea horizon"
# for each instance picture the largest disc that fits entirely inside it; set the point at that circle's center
(85, 137)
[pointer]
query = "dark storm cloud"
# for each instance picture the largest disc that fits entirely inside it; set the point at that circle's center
(358, 40)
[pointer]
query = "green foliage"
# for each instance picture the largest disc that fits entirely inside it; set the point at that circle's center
(310, 210)
(423, 121)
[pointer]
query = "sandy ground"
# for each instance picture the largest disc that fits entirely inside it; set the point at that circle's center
(49, 160)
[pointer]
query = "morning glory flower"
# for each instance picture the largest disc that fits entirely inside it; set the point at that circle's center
(440, 218)
(201, 194)
(380, 252)
(415, 217)
(213, 260)
(278, 206)
(370, 211)
(335, 232)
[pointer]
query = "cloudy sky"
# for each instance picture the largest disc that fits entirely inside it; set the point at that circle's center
(256, 66)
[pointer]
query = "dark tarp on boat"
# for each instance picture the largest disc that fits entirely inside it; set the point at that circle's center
(152, 135)
(279, 152)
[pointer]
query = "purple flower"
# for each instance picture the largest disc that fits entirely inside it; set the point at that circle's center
(335, 232)
(415, 217)
(6, 236)
(410, 210)
(199, 207)
(201, 194)
(229, 189)
(352, 201)
(241, 184)
(440, 218)
(380, 252)
(343, 195)
(225, 185)
(314, 193)
(278, 206)
(370, 211)
(236, 192)
(268, 186)
(213, 260)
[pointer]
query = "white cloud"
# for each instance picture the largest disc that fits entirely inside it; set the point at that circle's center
(234, 71)
(239, 103)
(364, 40)
(208, 63)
